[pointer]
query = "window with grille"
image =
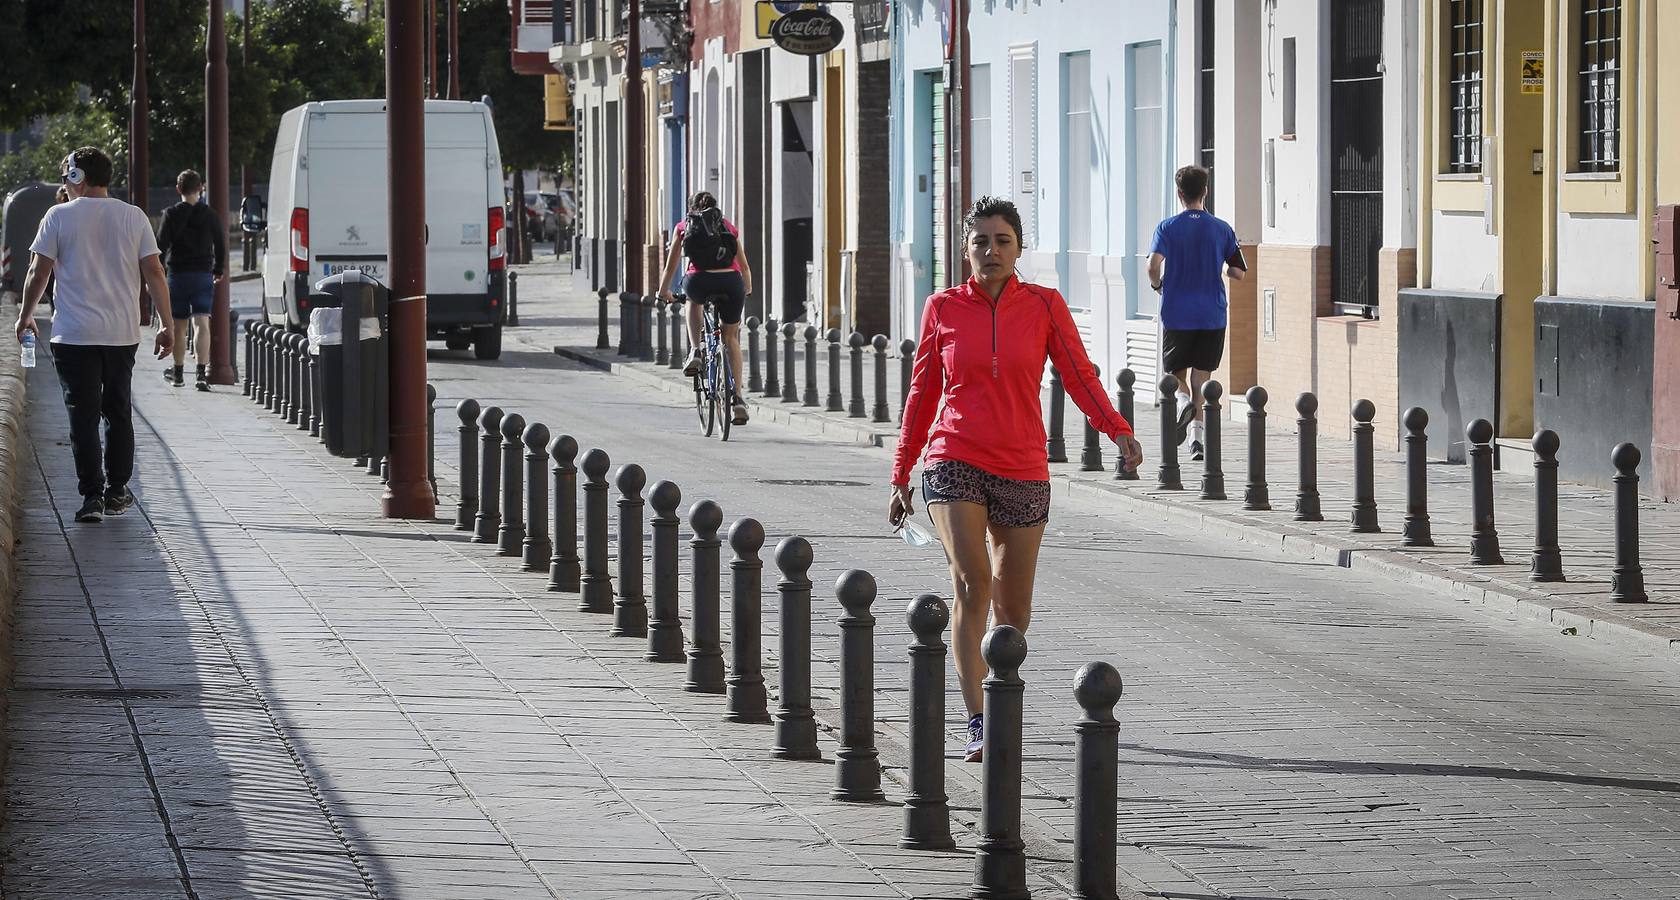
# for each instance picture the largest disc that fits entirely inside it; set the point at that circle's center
(1464, 87)
(1598, 106)
(1205, 92)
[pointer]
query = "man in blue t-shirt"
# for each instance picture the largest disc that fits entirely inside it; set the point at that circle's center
(1199, 251)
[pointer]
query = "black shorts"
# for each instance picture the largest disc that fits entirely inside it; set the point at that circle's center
(1192, 348)
(726, 290)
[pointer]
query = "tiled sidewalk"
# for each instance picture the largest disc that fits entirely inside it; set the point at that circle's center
(1586, 514)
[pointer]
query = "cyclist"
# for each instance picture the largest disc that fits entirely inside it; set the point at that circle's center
(975, 385)
(717, 271)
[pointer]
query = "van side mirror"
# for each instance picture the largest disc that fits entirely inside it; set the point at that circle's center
(253, 214)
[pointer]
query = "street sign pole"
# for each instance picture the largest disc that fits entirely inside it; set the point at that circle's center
(408, 494)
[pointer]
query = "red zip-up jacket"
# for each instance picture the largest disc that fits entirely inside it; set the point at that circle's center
(985, 361)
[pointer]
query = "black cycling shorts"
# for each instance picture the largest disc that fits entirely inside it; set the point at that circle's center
(726, 290)
(1192, 348)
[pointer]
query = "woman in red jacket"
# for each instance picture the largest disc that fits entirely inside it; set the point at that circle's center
(978, 366)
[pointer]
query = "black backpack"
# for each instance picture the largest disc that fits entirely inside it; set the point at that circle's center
(706, 242)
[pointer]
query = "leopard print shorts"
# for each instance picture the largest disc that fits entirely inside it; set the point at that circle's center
(1010, 503)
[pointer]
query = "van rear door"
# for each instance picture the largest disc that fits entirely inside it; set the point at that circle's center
(457, 207)
(349, 210)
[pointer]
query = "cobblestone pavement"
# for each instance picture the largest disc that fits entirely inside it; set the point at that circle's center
(566, 313)
(253, 686)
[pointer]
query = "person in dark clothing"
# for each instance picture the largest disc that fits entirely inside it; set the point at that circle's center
(194, 246)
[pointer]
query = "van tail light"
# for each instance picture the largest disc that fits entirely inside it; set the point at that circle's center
(300, 240)
(498, 253)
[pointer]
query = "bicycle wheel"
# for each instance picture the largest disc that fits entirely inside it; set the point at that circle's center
(710, 392)
(700, 392)
(726, 392)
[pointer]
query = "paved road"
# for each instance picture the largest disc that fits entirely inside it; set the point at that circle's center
(367, 707)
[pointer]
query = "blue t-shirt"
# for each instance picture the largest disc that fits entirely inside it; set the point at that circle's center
(1196, 245)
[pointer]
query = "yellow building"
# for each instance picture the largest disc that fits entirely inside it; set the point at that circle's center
(1537, 190)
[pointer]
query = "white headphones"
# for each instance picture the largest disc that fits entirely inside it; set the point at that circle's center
(72, 173)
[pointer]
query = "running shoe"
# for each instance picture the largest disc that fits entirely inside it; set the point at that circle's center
(93, 509)
(1186, 412)
(117, 501)
(1196, 452)
(172, 374)
(740, 412)
(976, 742)
(691, 368)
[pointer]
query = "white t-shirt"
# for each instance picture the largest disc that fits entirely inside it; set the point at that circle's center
(96, 245)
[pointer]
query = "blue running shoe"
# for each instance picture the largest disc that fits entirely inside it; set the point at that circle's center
(976, 733)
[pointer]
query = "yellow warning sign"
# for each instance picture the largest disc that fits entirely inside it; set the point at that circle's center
(1534, 71)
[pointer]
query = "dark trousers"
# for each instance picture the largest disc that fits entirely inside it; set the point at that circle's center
(97, 382)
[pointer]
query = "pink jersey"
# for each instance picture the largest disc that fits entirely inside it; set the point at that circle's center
(692, 268)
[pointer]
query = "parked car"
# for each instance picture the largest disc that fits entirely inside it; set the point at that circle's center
(330, 212)
(541, 223)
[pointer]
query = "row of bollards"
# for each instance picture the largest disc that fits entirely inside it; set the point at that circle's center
(1546, 558)
(513, 462)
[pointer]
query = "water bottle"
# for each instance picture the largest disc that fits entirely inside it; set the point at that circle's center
(29, 350)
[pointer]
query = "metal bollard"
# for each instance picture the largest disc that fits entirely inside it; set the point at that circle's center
(271, 368)
(857, 342)
(602, 339)
(305, 395)
(250, 342)
(755, 377)
(317, 398)
(790, 382)
(1364, 469)
(467, 507)
(906, 368)
(258, 372)
(564, 570)
(1055, 447)
(1306, 489)
(927, 816)
(662, 355)
(1090, 456)
(513, 299)
(289, 413)
(1000, 861)
(644, 330)
(626, 324)
(630, 618)
(771, 387)
(1546, 563)
(1484, 534)
(233, 345)
(857, 769)
(1256, 496)
(537, 548)
(880, 413)
(1415, 530)
(431, 437)
(677, 345)
(747, 700)
(796, 727)
(511, 534)
(597, 595)
(1096, 777)
(810, 397)
(835, 403)
(705, 651)
(1125, 402)
(1213, 463)
(1627, 578)
(665, 637)
(1168, 477)
(489, 475)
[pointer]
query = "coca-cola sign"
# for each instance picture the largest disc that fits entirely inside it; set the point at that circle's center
(808, 32)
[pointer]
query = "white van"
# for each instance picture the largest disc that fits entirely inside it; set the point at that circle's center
(328, 211)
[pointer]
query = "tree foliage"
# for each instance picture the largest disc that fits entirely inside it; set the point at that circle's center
(486, 70)
(84, 125)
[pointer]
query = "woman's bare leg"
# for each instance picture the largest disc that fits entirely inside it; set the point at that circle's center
(1014, 566)
(962, 528)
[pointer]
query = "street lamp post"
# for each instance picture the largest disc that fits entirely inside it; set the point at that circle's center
(454, 50)
(216, 175)
(245, 240)
(635, 199)
(408, 494)
(137, 135)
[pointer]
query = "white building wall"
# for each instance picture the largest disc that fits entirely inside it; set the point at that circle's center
(1298, 211)
(1400, 123)
(1597, 257)
(1464, 257)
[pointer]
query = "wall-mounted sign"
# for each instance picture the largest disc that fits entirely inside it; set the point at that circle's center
(808, 32)
(768, 11)
(1534, 71)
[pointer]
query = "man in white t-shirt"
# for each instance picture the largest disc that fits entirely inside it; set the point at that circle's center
(101, 249)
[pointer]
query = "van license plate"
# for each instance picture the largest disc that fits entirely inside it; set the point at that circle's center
(374, 268)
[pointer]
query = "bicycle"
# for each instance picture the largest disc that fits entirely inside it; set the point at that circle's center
(714, 384)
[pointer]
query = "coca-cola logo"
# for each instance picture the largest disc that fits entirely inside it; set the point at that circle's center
(808, 32)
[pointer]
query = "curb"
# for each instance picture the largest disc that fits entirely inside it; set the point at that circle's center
(14, 454)
(1396, 566)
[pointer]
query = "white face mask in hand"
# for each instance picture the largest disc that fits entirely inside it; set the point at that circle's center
(915, 535)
